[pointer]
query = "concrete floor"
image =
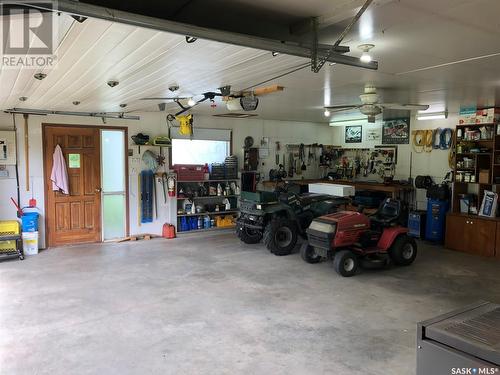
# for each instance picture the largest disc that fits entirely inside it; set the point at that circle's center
(211, 305)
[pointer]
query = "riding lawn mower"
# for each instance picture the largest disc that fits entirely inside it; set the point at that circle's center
(352, 238)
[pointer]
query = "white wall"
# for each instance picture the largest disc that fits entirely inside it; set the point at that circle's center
(433, 163)
(152, 124)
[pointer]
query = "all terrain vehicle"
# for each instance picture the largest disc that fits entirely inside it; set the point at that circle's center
(351, 238)
(279, 217)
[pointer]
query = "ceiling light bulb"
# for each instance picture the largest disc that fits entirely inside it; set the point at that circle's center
(365, 57)
(327, 113)
(274, 53)
(191, 102)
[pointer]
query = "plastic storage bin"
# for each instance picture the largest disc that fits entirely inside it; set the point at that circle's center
(30, 243)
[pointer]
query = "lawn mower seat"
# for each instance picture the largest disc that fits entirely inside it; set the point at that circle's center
(389, 213)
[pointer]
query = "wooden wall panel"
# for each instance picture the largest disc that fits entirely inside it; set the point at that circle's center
(75, 215)
(88, 141)
(62, 215)
(74, 141)
(74, 184)
(89, 215)
(89, 175)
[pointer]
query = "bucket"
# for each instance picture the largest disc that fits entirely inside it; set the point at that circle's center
(29, 219)
(30, 243)
(30, 222)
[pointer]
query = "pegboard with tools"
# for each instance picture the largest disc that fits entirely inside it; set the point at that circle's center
(298, 158)
(377, 163)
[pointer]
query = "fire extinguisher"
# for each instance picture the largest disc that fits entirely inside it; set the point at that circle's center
(171, 185)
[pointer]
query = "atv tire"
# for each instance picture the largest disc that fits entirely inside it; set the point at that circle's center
(403, 251)
(280, 236)
(250, 236)
(307, 253)
(345, 263)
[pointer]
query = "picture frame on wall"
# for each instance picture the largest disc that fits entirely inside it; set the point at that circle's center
(373, 134)
(353, 134)
(489, 204)
(396, 131)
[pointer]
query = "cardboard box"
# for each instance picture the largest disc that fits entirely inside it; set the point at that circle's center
(467, 119)
(487, 116)
(484, 176)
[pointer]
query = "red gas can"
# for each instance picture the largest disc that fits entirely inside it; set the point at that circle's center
(168, 231)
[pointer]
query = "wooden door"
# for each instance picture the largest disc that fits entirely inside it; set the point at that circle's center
(481, 237)
(497, 246)
(455, 237)
(73, 218)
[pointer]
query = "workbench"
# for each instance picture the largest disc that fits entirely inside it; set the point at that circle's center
(394, 189)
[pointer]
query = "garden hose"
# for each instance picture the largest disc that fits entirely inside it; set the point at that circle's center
(422, 140)
(442, 138)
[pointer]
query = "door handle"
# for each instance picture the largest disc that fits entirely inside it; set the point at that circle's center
(98, 190)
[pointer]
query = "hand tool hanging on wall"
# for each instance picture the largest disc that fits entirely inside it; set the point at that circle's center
(290, 164)
(163, 180)
(26, 151)
(302, 155)
(147, 191)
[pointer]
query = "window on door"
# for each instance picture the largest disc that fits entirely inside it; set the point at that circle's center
(113, 184)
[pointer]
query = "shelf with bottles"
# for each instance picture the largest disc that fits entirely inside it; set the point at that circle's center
(208, 189)
(204, 222)
(228, 212)
(209, 197)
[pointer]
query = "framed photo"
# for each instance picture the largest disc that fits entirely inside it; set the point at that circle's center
(353, 134)
(396, 131)
(489, 204)
(373, 134)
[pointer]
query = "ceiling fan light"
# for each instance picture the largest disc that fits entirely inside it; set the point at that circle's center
(365, 57)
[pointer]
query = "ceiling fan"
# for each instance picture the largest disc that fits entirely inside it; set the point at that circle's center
(247, 100)
(371, 107)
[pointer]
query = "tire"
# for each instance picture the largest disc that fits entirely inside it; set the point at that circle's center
(280, 236)
(308, 255)
(403, 251)
(345, 263)
(250, 236)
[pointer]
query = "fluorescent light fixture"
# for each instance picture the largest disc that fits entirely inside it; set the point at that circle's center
(432, 115)
(354, 121)
(326, 113)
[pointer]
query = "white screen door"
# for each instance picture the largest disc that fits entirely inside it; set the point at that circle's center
(114, 204)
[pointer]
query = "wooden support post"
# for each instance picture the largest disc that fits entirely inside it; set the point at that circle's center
(26, 151)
